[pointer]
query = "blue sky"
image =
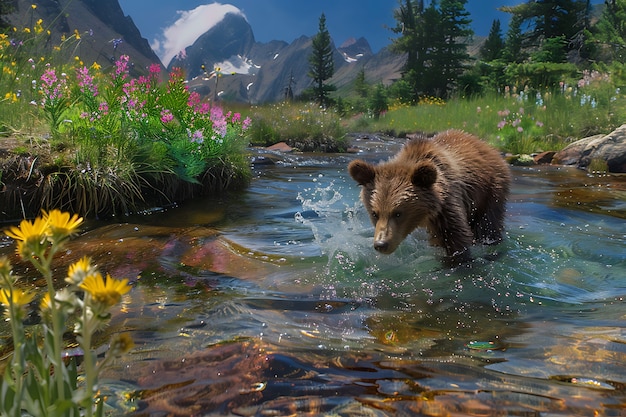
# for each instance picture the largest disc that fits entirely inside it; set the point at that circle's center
(289, 19)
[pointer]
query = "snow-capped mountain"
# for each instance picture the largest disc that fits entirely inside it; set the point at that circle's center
(258, 72)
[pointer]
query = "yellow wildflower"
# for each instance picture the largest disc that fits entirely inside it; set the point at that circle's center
(33, 6)
(61, 225)
(78, 271)
(76, 33)
(16, 298)
(5, 266)
(45, 305)
(12, 97)
(120, 344)
(105, 292)
(31, 236)
(96, 66)
(26, 30)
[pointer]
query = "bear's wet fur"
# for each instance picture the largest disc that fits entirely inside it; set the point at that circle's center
(454, 184)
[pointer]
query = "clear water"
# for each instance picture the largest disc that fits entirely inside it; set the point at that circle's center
(273, 302)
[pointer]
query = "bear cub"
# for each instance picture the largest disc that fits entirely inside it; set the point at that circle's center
(453, 184)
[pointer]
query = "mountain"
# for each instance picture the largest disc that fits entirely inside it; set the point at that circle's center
(256, 72)
(105, 32)
(249, 71)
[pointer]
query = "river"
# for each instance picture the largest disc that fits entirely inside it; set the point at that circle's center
(272, 302)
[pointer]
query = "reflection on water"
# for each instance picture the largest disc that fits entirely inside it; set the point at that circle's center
(272, 302)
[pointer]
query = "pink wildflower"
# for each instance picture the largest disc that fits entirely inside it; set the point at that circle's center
(166, 116)
(86, 81)
(155, 69)
(121, 67)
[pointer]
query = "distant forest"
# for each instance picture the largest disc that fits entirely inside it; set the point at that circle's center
(547, 42)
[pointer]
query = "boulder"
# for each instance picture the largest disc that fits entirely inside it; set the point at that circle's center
(610, 148)
(544, 157)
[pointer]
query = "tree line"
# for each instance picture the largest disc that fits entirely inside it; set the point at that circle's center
(547, 42)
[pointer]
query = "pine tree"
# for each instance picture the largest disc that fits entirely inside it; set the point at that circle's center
(452, 58)
(494, 44)
(434, 40)
(321, 64)
(610, 32)
(513, 43)
(360, 85)
(565, 20)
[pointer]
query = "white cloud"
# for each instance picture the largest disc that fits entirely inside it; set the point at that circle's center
(189, 26)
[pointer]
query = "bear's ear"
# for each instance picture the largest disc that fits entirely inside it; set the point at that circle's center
(424, 174)
(362, 172)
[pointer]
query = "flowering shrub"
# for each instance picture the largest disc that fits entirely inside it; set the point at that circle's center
(518, 131)
(38, 380)
(137, 115)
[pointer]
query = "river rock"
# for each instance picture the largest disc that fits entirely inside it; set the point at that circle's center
(610, 148)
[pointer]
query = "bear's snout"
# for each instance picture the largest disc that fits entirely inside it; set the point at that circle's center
(381, 246)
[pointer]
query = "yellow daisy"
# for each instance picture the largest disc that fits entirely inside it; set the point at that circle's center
(106, 292)
(17, 298)
(80, 270)
(61, 224)
(45, 304)
(30, 236)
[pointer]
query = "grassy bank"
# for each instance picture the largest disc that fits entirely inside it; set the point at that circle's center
(517, 122)
(106, 140)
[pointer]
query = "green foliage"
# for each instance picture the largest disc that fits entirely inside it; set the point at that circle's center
(608, 37)
(494, 44)
(307, 127)
(321, 64)
(546, 21)
(378, 102)
(38, 380)
(516, 120)
(360, 85)
(433, 39)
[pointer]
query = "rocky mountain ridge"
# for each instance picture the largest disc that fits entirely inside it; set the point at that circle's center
(249, 71)
(104, 32)
(227, 62)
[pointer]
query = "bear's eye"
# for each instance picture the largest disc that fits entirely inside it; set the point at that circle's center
(374, 215)
(397, 214)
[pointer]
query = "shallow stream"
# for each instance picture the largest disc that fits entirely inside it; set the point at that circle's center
(272, 302)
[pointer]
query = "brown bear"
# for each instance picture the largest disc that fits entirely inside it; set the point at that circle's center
(453, 184)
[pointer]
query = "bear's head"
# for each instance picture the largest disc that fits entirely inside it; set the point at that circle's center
(398, 197)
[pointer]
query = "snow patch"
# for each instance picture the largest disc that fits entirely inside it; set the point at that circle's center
(189, 26)
(237, 65)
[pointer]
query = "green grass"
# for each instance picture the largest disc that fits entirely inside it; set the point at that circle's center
(549, 121)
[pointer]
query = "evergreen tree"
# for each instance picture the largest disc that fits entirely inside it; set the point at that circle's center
(321, 64)
(548, 19)
(493, 47)
(609, 33)
(434, 40)
(513, 43)
(452, 57)
(409, 18)
(360, 85)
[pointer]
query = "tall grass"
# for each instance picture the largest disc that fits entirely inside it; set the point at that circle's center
(305, 126)
(516, 122)
(105, 140)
